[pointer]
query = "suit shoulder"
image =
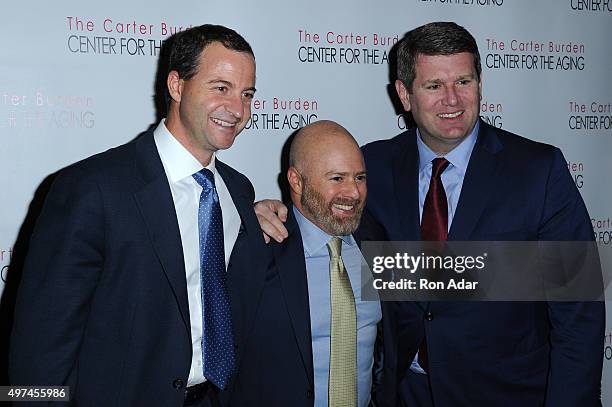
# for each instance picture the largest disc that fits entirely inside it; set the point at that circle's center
(513, 141)
(236, 177)
(107, 161)
(382, 148)
(523, 151)
(232, 172)
(110, 169)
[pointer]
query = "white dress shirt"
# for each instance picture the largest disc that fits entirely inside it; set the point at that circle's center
(179, 166)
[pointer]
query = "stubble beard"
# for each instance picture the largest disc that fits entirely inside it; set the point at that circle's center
(314, 203)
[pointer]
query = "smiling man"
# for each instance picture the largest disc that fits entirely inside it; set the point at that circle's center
(443, 98)
(145, 260)
(327, 177)
(313, 338)
(453, 177)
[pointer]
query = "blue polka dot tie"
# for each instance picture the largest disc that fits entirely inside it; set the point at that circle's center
(217, 338)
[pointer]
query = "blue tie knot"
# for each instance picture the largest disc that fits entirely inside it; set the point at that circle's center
(205, 178)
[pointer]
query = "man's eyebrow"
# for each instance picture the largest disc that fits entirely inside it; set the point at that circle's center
(344, 173)
(467, 76)
(228, 84)
(460, 77)
(220, 81)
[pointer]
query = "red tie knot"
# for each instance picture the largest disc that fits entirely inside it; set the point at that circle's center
(438, 166)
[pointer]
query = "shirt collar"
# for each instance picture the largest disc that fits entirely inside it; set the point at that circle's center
(177, 160)
(313, 237)
(459, 156)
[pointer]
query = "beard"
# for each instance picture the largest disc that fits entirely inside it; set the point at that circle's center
(321, 211)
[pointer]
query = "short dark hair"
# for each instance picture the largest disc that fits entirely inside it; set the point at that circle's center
(437, 38)
(187, 46)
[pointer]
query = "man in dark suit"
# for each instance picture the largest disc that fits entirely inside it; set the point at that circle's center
(313, 337)
(455, 177)
(144, 268)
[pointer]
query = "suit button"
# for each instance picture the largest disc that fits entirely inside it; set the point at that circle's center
(178, 384)
(429, 316)
(309, 394)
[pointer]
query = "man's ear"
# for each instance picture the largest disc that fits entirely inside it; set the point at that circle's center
(403, 94)
(296, 183)
(175, 86)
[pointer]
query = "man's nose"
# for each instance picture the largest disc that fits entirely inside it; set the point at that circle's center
(450, 96)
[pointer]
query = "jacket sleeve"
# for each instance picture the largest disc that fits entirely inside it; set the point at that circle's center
(577, 328)
(62, 268)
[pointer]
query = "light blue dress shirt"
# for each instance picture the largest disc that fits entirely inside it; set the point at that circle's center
(452, 179)
(368, 312)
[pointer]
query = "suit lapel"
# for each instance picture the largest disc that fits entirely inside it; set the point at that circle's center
(289, 257)
(155, 202)
(480, 176)
(405, 175)
(245, 282)
(406, 185)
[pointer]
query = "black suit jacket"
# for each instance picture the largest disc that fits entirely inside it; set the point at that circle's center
(102, 305)
(493, 354)
(277, 367)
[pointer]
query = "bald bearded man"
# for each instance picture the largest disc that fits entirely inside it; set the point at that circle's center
(313, 338)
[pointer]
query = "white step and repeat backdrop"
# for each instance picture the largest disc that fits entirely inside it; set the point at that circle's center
(77, 78)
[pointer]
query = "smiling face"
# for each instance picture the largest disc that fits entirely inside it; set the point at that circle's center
(211, 108)
(444, 99)
(329, 188)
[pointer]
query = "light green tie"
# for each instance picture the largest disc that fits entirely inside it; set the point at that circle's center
(343, 352)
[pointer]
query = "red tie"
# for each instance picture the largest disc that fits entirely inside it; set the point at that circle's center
(434, 224)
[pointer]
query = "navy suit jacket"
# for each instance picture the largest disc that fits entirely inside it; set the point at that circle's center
(277, 367)
(489, 354)
(102, 305)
